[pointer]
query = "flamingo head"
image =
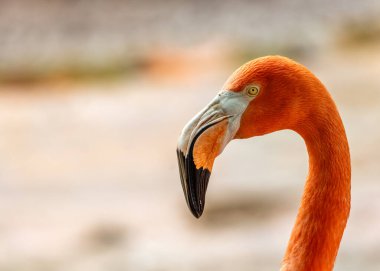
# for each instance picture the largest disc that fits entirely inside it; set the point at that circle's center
(262, 96)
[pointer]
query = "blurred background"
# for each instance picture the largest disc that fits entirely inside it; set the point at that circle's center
(94, 94)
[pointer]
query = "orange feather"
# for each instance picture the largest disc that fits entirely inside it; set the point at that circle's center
(293, 98)
(288, 96)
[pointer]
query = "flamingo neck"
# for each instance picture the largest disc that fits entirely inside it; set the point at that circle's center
(325, 204)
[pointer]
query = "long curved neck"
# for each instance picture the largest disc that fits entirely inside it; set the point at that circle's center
(325, 204)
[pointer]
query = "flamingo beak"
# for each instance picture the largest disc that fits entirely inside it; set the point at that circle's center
(201, 141)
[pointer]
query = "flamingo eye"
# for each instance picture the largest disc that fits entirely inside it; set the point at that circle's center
(252, 91)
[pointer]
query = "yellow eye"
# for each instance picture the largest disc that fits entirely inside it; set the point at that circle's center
(252, 91)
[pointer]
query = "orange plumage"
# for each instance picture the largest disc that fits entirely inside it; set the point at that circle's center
(290, 97)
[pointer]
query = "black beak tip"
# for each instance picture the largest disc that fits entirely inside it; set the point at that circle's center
(197, 215)
(194, 183)
(197, 211)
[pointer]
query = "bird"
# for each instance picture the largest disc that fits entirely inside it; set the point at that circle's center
(265, 95)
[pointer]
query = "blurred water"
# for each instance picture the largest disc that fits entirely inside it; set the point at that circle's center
(89, 179)
(88, 171)
(39, 34)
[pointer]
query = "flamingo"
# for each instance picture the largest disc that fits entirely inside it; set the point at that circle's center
(265, 95)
